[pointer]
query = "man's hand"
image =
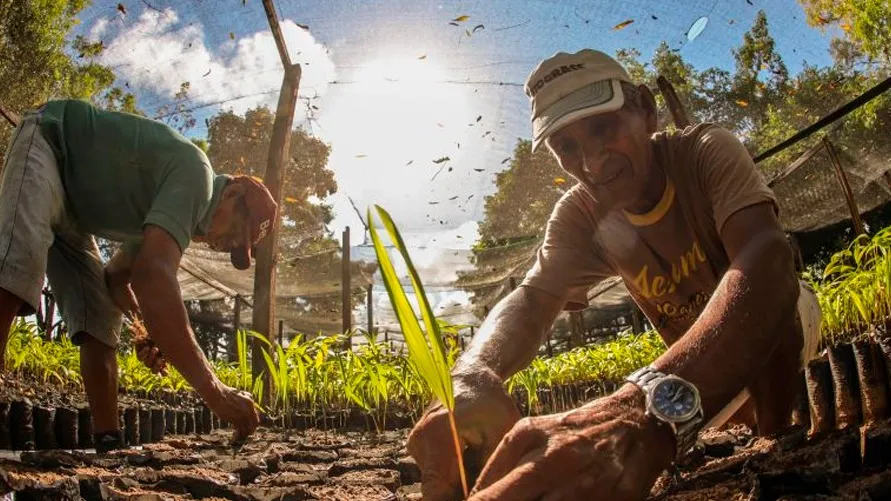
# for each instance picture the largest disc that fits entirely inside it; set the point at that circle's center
(484, 412)
(607, 449)
(151, 357)
(236, 407)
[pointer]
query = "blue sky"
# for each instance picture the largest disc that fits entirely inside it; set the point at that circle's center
(386, 113)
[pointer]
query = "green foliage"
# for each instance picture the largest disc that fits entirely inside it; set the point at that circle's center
(854, 289)
(38, 62)
(866, 23)
(240, 145)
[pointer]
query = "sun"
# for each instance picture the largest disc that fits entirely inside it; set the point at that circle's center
(395, 116)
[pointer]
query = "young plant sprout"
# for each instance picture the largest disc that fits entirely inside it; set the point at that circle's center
(426, 352)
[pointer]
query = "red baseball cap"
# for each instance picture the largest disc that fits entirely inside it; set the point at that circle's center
(261, 212)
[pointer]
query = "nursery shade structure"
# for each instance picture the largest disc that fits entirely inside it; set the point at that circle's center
(423, 107)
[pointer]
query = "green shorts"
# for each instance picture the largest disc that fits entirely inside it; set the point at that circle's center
(38, 237)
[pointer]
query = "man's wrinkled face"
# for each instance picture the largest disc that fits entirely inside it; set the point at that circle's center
(609, 153)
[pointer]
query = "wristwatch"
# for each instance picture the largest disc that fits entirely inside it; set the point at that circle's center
(674, 401)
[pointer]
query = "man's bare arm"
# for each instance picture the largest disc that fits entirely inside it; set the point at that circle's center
(157, 290)
(511, 335)
(736, 333)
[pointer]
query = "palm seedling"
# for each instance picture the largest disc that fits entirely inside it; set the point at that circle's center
(426, 352)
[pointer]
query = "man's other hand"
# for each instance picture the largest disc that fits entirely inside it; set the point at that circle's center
(484, 412)
(235, 407)
(607, 449)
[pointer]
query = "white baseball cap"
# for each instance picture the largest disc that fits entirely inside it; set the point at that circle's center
(567, 87)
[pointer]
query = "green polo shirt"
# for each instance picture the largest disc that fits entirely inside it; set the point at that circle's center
(121, 172)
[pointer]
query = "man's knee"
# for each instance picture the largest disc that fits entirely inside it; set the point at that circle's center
(94, 349)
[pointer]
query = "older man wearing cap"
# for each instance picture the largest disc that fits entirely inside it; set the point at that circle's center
(689, 225)
(73, 172)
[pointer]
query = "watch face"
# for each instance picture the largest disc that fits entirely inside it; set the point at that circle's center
(675, 399)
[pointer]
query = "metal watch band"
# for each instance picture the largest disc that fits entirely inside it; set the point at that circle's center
(686, 432)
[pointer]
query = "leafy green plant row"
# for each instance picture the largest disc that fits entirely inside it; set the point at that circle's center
(313, 375)
(854, 289)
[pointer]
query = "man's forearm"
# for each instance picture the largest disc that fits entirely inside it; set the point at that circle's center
(739, 329)
(165, 317)
(509, 338)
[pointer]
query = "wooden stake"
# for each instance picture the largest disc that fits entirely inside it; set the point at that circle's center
(846, 188)
(370, 307)
(281, 332)
(10, 117)
(232, 348)
(678, 113)
(636, 320)
(346, 303)
(264, 275)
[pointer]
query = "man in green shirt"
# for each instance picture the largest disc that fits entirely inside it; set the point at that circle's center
(74, 172)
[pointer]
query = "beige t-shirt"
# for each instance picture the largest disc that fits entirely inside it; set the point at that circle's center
(670, 259)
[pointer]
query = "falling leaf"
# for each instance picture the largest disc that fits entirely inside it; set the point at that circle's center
(454, 198)
(559, 180)
(208, 73)
(122, 9)
(732, 21)
(468, 198)
(478, 27)
(742, 103)
(479, 118)
(409, 163)
(450, 169)
(461, 19)
(623, 24)
(305, 27)
(506, 160)
(749, 2)
(479, 170)
(459, 146)
(422, 56)
(697, 28)
(467, 32)
(454, 23)
(487, 133)
(291, 200)
(231, 36)
(433, 203)
(654, 17)
(441, 160)
(361, 155)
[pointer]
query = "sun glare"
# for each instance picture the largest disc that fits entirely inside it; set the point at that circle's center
(396, 116)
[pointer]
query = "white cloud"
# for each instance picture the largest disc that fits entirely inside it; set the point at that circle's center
(157, 53)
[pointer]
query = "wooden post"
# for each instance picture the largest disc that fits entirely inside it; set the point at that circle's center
(232, 348)
(345, 289)
(50, 314)
(279, 149)
(370, 307)
(678, 113)
(577, 329)
(636, 320)
(9, 116)
(846, 188)
(281, 332)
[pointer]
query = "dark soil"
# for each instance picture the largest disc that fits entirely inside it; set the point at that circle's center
(729, 465)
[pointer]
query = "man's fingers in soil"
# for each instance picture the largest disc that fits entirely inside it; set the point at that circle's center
(436, 487)
(516, 444)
